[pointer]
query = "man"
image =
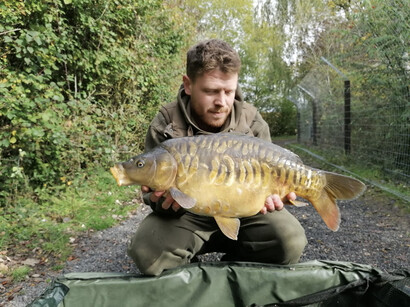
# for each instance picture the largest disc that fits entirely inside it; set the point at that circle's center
(210, 102)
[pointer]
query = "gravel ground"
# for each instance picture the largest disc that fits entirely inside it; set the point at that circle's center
(373, 231)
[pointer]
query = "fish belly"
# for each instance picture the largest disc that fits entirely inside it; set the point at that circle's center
(224, 200)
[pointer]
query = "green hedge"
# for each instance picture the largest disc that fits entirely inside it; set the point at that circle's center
(80, 79)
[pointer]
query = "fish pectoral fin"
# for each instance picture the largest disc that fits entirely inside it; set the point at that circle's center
(185, 201)
(229, 226)
(296, 203)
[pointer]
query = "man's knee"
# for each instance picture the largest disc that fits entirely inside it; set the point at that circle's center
(159, 245)
(143, 256)
(277, 238)
(151, 264)
(293, 245)
(292, 238)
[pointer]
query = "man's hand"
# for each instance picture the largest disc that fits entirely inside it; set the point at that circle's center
(156, 195)
(273, 202)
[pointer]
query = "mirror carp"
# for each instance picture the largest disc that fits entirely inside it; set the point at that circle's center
(229, 176)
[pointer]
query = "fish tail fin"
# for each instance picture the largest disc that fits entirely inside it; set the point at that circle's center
(337, 187)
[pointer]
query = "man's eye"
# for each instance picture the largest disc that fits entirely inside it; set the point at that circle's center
(140, 163)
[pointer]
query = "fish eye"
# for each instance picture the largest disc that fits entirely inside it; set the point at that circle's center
(140, 163)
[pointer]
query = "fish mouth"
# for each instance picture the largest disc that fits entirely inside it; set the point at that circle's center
(120, 176)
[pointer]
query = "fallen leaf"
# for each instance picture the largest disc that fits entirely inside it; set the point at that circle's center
(30, 261)
(3, 267)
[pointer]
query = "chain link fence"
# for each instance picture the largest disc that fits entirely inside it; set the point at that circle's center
(364, 111)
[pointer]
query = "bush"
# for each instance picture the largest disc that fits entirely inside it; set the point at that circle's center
(80, 81)
(283, 120)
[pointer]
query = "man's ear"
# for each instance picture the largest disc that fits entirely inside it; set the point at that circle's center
(187, 84)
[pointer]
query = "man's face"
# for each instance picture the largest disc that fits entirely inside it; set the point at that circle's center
(212, 97)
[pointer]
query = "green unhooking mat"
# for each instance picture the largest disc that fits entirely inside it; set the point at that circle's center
(316, 283)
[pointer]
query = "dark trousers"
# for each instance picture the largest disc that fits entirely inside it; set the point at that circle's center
(163, 242)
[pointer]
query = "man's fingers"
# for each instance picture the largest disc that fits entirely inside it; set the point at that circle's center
(156, 195)
(167, 202)
(175, 206)
(145, 189)
(269, 204)
(277, 202)
(291, 196)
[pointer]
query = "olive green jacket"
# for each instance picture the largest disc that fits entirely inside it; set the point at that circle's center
(174, 120)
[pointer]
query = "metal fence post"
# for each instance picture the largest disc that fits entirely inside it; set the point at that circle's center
(347, 117)
(298, 124)
(314, 121)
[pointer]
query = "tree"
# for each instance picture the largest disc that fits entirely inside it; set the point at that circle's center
(79, 83)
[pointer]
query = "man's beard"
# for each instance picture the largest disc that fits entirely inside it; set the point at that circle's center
(219, 122)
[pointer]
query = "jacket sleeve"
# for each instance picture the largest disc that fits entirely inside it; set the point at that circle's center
(260, 128)
(156, 134)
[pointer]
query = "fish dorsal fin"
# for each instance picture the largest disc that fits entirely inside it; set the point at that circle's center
(185, 201)
(229, 226)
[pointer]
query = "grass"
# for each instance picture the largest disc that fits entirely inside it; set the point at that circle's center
(20, 273)
(46, 221)
(284, 138)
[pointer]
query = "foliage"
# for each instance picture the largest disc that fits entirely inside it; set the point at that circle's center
(47, 224)
(281, 122)
(221, 19)
(80, 80)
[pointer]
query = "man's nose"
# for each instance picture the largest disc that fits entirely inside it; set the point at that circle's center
(220, 100)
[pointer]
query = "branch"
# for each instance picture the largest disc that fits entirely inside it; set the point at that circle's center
(14, 30)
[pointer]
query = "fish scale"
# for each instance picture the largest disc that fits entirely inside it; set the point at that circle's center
(229, 176)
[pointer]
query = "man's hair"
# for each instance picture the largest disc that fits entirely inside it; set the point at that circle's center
(209, 55)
